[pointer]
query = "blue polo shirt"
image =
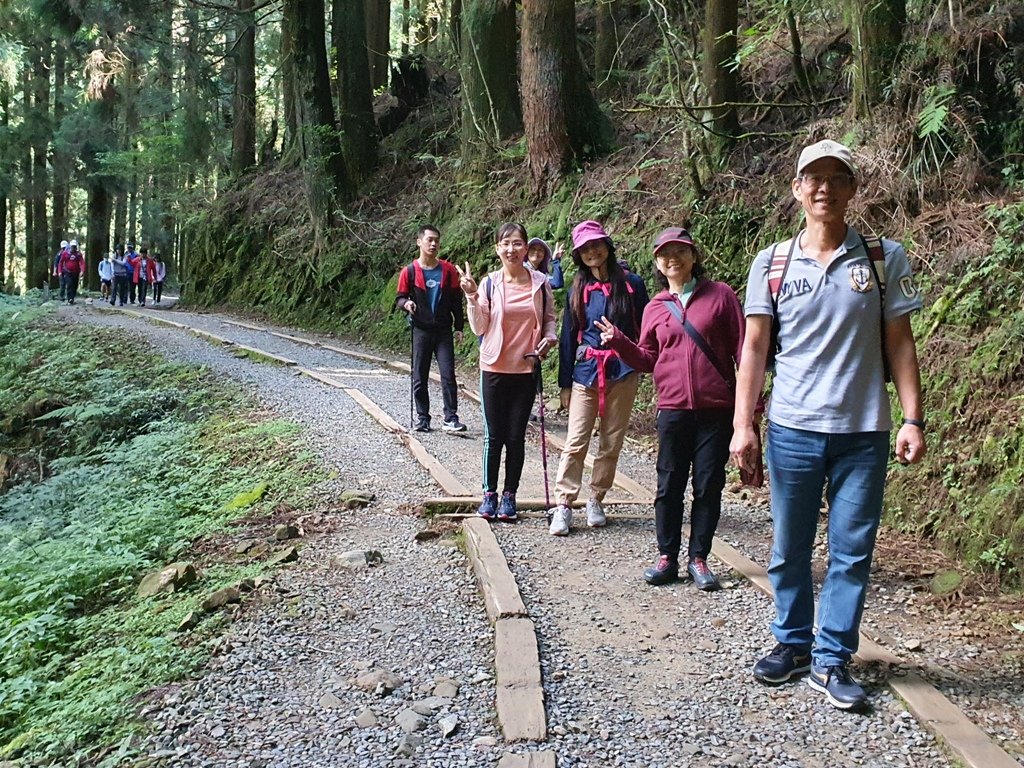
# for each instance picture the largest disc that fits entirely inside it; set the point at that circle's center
(829, 371)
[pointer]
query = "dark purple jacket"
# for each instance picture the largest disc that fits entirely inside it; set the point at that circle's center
(684, 376)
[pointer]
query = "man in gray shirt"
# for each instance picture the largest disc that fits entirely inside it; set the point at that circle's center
(841, 308)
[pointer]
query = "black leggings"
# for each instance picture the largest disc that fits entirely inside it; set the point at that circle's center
(507, 399)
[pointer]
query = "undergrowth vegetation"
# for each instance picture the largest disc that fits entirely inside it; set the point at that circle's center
(117, 463)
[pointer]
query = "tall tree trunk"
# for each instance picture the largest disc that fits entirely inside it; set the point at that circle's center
(243, 137)
(562, 118)
(455, 27)
(358, 129)
(40, 148)
(323, 166)
(491, 111)
(33, 256)
(606, 44)
(98, 227)
(287, 52)
(120, 217)
(132, 235)
(877, 31)
(797, 52)
(378, 40)
(61, 161)
(720, 74)
(13, 218)
(5, 121)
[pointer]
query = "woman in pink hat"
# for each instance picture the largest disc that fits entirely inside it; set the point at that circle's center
(595, 381)
(691, 338)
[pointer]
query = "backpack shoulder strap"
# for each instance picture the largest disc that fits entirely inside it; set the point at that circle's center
(873, 245)
(410, 276)
(489, 288)
(782, 253)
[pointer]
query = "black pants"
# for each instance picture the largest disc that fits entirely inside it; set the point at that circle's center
(143, 290)
(120, 292)
(427, 344)
(158, 290)
(68, 286)
(507, 399)
(133, 289)
(697, 439)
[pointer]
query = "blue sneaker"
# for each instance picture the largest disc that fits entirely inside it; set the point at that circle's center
(489, 508)
(507, 508)
(782, 663)
(838, 686)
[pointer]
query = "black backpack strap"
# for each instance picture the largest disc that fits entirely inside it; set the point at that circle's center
(699, 340)
(876, 258)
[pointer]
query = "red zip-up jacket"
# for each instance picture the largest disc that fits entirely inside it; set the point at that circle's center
(683, 375)
(449, 305)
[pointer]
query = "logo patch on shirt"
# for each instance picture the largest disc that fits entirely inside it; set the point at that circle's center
(794, 288)
(907, 286)
(861, 279)
(432, 283)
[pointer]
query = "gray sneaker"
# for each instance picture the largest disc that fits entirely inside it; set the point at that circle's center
(595, 514)
(561, 520)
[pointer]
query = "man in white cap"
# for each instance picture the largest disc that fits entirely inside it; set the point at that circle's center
(835, 309)
(56, 264)
(70, 267)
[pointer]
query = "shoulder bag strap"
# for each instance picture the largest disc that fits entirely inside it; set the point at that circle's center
(694, 334)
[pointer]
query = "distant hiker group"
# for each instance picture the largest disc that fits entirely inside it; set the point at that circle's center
(827, 311)
(126, 275)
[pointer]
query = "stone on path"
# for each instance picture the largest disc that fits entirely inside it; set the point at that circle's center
(410, 722)
(190, 621)
(171, 578)
(284, 531)
(358, 559)
(545, 759)
(330, 701)
(353, 499)
(408, 744)
(446, 688)
(220, 598)
(378, 679)
(449, 725)
(485, 742)
(366, 719)
(286, 555)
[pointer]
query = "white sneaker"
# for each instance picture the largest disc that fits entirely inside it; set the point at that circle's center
(561, 520)
(595, 514)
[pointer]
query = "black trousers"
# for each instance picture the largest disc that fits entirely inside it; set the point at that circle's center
(698, 440)
(142, 289)
(507, 399)
(120, 292)
(158, 290)
(68, 286)
(427, 344)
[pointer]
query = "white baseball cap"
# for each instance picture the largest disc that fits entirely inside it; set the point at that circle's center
(73, 244)
(63, 243)
(824, 149)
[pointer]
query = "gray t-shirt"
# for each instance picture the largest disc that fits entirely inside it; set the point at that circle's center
(829, 375)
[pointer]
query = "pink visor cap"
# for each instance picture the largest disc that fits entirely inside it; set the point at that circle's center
(673, 235)
(586, 231)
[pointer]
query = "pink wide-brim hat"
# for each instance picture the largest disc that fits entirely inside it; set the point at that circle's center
(585, 232)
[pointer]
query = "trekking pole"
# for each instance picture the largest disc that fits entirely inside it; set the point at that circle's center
(412, 375)
(538, 369)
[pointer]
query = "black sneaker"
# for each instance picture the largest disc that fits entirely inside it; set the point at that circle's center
(507, 508)
(782, 663)
(453, 426)
(836, 683)
(702, 576)
(663, 571)
(423, 425)
(489, 507)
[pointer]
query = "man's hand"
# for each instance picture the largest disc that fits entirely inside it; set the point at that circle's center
(459, 337)
(410, 307)
(466, 281)
(910, 445)
(564, 396)
(743, 447)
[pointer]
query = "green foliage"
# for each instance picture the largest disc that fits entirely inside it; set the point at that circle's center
(967, 493)
(142, 461)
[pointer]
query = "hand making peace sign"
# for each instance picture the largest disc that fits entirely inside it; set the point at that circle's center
(466, 281)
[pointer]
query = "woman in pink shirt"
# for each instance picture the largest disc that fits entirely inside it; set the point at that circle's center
(512, 311)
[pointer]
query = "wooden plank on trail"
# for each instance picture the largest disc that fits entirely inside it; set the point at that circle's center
(948, 722)
(240, 324)
(357, 355)
(212, 337)
(268, 355)
(448, 482)
(296, 339)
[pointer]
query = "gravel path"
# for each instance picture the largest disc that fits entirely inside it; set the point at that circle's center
(633, 675)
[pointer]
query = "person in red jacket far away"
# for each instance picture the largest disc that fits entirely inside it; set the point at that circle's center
(690, 337)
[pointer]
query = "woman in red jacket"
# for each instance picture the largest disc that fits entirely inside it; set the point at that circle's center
(145, 273)
(690, 337)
